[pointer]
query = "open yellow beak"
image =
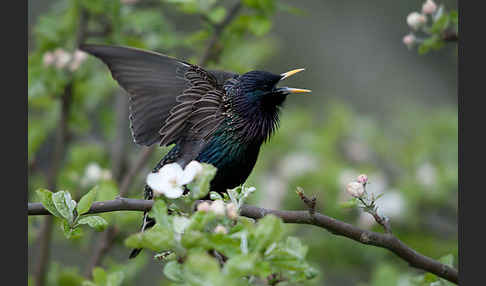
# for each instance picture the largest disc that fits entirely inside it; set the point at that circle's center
(290, 89)
(290, 73)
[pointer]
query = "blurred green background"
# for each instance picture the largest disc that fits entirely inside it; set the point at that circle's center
(376, 108)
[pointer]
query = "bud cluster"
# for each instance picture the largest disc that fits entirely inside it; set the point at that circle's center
(61, 59)
(220, 208)
(418, 21)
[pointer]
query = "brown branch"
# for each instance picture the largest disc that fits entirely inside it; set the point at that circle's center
(382, 240)
(209, 53)
(450, 36)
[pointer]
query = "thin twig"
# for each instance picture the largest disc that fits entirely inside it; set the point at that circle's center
(382, 240)
(218, 30)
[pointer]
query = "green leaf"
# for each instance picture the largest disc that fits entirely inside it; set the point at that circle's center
(217, 15)
(86, 201)
(157, 239)
(200, 186)
(88, 283)
(173, 271)
(115, 278)
(242, 265)
(454, 17)
(65, 205)
(259, 25)
(180, 224)
(432, 43)
(159, 212)
(215, 196)
(45, 197)
(441, 24)
(70, 232)
(96, 222)
(99, 276)
(269, 229)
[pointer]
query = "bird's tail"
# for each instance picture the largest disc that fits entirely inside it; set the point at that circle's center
(148, 222)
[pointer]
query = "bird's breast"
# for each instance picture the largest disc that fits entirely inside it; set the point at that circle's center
(233, 158)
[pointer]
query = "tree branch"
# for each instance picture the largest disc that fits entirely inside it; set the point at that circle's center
(386, 240)
(218, 30)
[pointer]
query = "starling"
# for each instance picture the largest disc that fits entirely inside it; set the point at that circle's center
(216, 117)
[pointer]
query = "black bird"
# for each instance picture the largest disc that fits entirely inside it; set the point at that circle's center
(215, 117)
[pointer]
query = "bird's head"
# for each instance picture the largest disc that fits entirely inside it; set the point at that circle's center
(258, 98)
(260, 87)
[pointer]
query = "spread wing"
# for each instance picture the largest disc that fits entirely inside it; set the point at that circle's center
(156, 84)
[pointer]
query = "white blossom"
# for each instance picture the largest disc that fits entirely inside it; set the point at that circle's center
(355, 189)
(78, 58)
(231, 211)
(192, 170)
(204, 207)
(168, 181)
(62, 58)
(218, 207)
(415, 20)
(427, 174)
(220, 229)
(429, 7)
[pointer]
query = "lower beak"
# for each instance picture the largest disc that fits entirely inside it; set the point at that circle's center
(289, 90)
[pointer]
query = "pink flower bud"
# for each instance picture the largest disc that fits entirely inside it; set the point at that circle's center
(220, 229)
(203, 207)
(218, 207)
(231, 211)
(429, 7)
(409, 40)
(78, 58)
(355, 189)
(48, 59)
(415, 20)
(363, 179)
(62, 58)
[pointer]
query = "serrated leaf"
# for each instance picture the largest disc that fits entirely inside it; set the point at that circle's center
(45, 197)
(86, 201)
(64, 205)
(173, 271)
(269, 229)
(96, 222)
(242, 265)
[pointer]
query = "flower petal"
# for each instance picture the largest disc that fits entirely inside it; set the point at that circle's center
(192, 170)
(174, 192)
(156, 181)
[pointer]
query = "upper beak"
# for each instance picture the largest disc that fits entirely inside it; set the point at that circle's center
(290, 89)
(290, 73)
